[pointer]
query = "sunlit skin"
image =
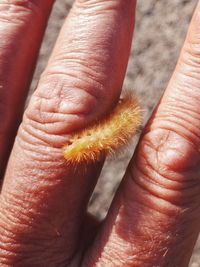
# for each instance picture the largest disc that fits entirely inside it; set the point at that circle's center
(154, 219)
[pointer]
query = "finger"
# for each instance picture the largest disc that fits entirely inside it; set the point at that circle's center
(22, 26)
(81, 83)
(154, 219)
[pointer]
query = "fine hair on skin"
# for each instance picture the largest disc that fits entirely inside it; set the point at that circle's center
(107, 135)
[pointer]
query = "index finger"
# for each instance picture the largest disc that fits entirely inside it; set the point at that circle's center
(22, 27)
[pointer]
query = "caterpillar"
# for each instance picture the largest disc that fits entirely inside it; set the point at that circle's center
(106, 135)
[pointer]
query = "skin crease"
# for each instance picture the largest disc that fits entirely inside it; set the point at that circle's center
(154, 218)
(16, 25)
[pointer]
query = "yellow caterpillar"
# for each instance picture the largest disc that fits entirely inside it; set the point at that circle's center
(105, 136)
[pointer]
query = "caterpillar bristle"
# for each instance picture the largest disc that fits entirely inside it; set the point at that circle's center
(107, 135)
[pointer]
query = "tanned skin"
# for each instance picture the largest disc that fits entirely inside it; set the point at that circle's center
(154, 219)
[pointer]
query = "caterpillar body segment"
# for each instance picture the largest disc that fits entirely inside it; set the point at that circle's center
(107, 135)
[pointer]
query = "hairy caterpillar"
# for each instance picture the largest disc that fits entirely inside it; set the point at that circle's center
(105, 136)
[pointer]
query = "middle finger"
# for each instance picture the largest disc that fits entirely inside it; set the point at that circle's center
(82, 81)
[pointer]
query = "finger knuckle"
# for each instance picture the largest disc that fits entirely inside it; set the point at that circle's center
(169, 150)
(57, 109)
(168, 164)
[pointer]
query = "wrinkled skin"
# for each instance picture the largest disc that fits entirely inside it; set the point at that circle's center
(154, 219)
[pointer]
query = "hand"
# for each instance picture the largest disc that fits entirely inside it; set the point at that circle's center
(154, 218)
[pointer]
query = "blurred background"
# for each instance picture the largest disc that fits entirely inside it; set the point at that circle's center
(161, 27)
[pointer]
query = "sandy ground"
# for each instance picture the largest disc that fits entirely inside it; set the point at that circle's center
(160, 31)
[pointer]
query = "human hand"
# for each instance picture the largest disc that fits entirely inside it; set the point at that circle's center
(154, 218)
